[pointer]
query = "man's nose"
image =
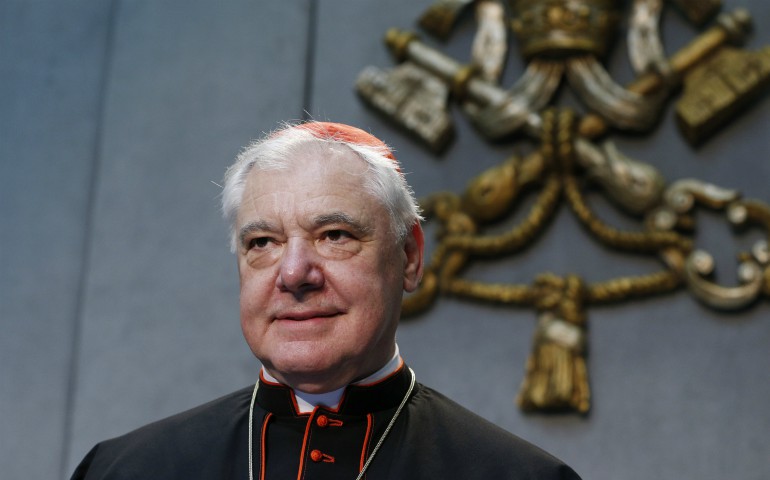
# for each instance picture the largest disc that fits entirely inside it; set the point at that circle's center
(300, 270)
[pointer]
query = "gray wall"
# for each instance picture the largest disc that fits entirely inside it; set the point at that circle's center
(118, 297)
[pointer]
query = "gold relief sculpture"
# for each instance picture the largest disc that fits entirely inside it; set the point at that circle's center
(564, 40)
(559, 27)
(716, 90)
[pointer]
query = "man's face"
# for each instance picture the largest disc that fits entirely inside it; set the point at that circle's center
(321, 273)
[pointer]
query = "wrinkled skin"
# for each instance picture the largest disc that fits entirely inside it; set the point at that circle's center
(321, 273)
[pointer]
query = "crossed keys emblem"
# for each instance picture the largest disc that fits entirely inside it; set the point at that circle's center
(563, 41)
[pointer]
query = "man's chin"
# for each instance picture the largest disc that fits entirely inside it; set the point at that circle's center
(312, 377)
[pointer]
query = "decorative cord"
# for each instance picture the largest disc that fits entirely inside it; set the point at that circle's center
(390, 425)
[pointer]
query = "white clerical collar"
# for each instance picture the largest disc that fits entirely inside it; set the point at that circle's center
(306, 402)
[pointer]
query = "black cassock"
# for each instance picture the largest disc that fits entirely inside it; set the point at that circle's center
(433, 438)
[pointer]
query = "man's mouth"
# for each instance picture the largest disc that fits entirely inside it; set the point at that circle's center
(307, 315)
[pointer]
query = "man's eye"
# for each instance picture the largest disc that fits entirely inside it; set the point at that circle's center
(337, 235)
(259, 242)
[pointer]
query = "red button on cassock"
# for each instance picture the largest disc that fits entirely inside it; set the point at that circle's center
(316, 455)
(322, 421)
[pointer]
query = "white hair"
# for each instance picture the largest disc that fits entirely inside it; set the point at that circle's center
(276, 151)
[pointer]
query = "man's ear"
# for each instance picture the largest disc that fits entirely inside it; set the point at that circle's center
(413, 248)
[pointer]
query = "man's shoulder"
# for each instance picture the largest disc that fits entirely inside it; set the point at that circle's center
(443, 413)
(468, 435)
(216, 414)
(205, 429)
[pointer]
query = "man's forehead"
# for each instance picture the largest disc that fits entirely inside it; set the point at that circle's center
(330, 199)
(317, 209)
(315, 183)
(363, 224)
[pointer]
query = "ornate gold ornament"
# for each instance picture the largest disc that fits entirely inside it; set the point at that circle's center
(565, 39)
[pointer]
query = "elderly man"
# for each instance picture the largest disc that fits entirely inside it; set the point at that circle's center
(327, 235)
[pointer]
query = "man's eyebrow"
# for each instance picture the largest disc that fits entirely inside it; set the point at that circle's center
(255, 226)
(341, 218)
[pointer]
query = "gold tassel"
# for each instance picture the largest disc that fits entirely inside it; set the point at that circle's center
(557, 376)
